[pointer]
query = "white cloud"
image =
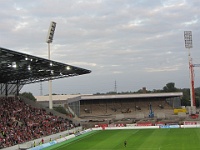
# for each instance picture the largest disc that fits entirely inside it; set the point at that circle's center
(173, 3)
(117, 72)
(160, 69)
(84, 64)
(20, 26)
(193, 21)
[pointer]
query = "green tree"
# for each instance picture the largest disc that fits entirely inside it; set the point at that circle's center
(60, 109)
(170, 87)
(197, 95)
(28, 95)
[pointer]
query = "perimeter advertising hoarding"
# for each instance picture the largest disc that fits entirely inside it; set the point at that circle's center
(159, 123)
(110, 125)
(43, 146)
(190, 122)
(169, 126)
(145, 124)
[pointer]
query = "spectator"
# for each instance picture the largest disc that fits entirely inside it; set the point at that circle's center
(20, 122)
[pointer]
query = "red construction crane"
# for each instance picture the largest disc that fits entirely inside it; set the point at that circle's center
(188, 45)
(192, 90)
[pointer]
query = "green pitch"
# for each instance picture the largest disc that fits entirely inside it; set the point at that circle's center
(143, 139)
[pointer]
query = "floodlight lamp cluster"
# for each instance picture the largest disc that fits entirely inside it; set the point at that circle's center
(51, 31)
(188, 39)
(30, 59)
(14, 65)
(52, 71)
(29, 67)
(68, 68)
(18, 65)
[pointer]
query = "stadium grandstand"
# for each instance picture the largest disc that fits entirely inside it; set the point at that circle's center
(97, 108)
(22, 120)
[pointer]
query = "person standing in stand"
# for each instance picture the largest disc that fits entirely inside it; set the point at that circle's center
(42, 141)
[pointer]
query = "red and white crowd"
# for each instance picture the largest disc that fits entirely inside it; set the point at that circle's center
(20, 122)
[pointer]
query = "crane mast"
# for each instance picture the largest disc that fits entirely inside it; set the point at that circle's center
(192, 90)
(188, 45)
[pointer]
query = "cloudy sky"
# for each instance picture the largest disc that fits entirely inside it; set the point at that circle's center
(133, 43)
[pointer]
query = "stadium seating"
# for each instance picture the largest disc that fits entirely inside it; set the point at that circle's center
(20, 122)
(114, 107)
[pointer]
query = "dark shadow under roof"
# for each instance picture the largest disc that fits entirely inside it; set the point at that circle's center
(20, 68)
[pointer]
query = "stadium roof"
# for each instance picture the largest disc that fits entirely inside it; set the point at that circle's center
(20, 68)
(144, 95)
(78, 97)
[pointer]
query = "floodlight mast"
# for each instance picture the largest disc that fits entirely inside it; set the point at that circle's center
(188, 45)
(49, 40)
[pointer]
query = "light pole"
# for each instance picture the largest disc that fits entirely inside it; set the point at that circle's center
(188, 45)
(49, 40)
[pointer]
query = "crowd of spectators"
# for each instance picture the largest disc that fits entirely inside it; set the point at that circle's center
(20, 122)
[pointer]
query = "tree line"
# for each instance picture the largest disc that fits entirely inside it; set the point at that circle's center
(169, 87)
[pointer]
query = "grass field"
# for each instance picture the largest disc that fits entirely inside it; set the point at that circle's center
(143, 139)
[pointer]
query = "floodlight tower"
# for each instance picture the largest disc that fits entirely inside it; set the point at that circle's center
(49, 40)
(188, 45)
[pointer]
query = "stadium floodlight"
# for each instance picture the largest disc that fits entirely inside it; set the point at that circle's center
(50, 40)
(51, 31)
(188, 39)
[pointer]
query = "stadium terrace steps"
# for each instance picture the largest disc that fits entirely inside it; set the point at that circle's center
(115, 108)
